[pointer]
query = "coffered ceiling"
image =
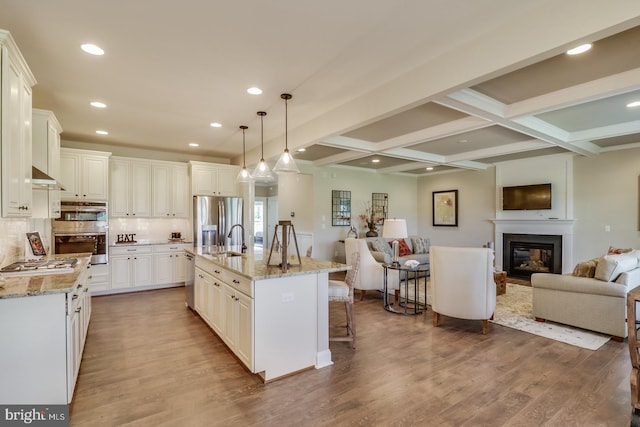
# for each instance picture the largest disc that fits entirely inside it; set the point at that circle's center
(411, 85)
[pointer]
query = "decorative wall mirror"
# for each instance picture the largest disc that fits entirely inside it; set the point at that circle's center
(380, 207)
(340, 207)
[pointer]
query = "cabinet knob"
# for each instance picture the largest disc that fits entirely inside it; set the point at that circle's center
(78, 309)
(237, 282)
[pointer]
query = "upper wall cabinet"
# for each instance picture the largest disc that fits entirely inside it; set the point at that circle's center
(84, 174)
(15, 125)
(170, 185)
(46, 157)
(210, 179)
(130, 188)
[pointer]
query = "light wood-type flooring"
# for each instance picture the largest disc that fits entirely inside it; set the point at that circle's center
(149, 361)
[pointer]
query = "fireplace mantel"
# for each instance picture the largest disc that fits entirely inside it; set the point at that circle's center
(562, 227)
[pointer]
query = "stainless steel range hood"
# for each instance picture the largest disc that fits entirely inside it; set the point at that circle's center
(41, 179)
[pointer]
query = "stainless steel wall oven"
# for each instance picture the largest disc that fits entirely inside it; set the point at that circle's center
(82, 227)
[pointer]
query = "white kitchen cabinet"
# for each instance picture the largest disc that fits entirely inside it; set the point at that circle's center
(210, 179)
(15, 126)
(202, 285)
(170, 190)
(216, 306)
(43, 346)
(131, 266)
(130, 188)
(169, 263)
(46, 132)
(84, 174)
(224, 300)
(78, 317)
(238, 324)
(99, 278)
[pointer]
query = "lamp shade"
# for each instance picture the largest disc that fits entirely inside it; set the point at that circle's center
(394, 229)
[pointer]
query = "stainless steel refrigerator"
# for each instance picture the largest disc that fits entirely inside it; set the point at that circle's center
(213, 218)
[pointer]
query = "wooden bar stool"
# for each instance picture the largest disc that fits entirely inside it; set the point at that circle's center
(342, 291)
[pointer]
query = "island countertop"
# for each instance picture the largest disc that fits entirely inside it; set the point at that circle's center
(41, 284)
(254, 266)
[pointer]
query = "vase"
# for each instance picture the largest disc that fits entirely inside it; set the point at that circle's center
(371, 233)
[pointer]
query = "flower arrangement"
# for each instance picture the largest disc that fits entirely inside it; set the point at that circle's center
(369, 218)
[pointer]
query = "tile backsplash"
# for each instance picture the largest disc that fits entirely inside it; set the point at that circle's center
(153, 229)
(12, 240)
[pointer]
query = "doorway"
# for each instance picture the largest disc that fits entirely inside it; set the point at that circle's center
(265, 214)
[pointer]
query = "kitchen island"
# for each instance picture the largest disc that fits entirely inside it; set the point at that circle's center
(275, 322)
(44, 318)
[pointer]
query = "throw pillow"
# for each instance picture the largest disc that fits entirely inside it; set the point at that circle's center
(420, 245)
(586, 268)
(378, 245)
(403, 248)
(610, 266)
(613, 250)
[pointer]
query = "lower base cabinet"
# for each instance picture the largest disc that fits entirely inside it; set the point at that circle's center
(131, 266)
(43, 340)
(228, 312)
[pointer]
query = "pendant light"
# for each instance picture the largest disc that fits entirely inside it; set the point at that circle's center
(286, 164)
(244, 175)
(262, 172)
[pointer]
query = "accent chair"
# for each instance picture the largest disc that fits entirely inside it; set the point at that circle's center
(462, 284)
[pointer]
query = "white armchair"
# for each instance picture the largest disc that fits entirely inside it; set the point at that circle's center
(462, 284)
(371, 273)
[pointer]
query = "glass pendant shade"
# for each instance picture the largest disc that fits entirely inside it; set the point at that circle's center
(244, 175)
(285, 163)
(262, 172)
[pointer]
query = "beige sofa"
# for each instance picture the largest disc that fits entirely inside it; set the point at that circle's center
(371, 273)
(597, 302)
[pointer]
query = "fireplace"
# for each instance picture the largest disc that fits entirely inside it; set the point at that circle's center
(525, 254)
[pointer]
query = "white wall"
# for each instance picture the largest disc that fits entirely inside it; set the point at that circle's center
(555, 169)
(606, 193)
(402, 192)
(476, 207)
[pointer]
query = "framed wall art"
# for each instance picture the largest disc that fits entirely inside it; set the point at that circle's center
(445, 208)
(340, 207)
(379, 207)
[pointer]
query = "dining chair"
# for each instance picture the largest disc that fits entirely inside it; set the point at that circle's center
(342, 291)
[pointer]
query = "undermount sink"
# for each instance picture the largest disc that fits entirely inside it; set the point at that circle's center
(222, 254)
(230, 254)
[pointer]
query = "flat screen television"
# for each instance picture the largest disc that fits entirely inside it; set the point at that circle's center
(526, 197)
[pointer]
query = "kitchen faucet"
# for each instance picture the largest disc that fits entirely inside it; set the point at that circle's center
(244, 247)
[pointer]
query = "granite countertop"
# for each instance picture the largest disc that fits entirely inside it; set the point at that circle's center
(41, 284)
(254, 266)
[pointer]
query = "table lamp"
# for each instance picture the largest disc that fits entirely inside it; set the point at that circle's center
(395, 229)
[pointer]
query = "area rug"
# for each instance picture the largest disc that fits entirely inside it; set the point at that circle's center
(513, 310)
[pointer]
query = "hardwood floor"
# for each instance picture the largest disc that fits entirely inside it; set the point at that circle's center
(149, 361)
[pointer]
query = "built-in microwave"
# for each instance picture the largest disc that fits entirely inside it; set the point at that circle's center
(82, 227)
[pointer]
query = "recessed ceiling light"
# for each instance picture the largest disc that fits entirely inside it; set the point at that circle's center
(430, 168)
(375, 161)
(98, 104)
(102, 132)
(580, 49)
(194, 144)
(301, 150)
(92, 49)
(462, 141)
(254, 90)
(215, 125)
(633, 104)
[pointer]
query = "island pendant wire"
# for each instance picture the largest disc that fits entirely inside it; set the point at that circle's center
(262, 172)
(244, 175)
(285, 163)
